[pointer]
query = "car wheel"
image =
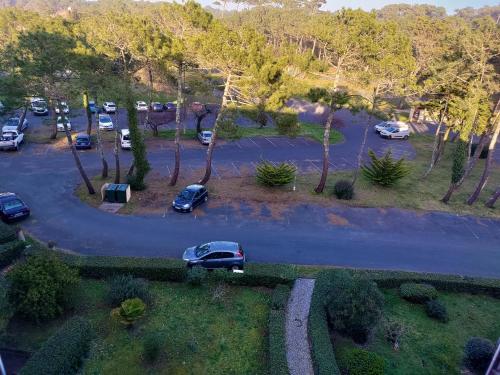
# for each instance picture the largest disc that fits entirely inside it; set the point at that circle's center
(191, 209)
(235, 268)
(405, 137)
(206, 198)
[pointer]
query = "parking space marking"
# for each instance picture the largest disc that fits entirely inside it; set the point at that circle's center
(169, 173)
(238, 144)
(470, 230)
(290, 143)
(346, 161)
(236, 169)
(253, 165)
(255, 143)
(215, 171)
(270, 141)
(315, 166)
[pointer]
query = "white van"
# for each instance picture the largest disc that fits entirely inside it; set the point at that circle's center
(396, 132)
(125, 139)
(390, 124)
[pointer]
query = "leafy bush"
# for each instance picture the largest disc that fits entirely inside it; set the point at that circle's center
(122, 287)
(287, 123)
(129, 311)
(136, 182)
(152, 346)
(417, 293)
(271, 175)
(279, 298)
(316, 94)
(10, 251)
(62, 354)
(385, 171)
(354, 305)
(437, 310)
(5, 308)
(40, 286)
(393, 331)
(354, 361)
(196, 275)
(227, 127)
(7, 233)
(478, 353)
(343, 189)
(459, 157)
(484, 151)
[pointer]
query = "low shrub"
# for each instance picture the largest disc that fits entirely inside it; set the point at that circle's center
(287, 123)
(41, 286)
(417, 293)
(343, 189)
(123, 287)
(7, 233)
(354, 361)
(62, 353)
(384, 171)
(136, 183)
(196, 275)
(269, 174)
(279, 298)
(129, 311)
(152, 346)
(478, 353)
(437, 310)
(10, 251)
(394, 330)
(354, 305)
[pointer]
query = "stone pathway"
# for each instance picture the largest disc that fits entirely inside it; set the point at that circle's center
(297, 344)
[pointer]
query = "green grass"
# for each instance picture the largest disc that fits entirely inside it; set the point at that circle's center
(430, 347)
(202, 336)
(315, 131)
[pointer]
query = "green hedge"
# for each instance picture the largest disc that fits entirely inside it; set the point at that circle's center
(10, 251)
(162, 269)
(278, 364)
(7, 233)
(63, 352)
(322, 352)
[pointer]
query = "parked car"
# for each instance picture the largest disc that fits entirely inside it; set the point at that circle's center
(205, 137)
(12, 208)
(125, 139)
(141, 106)
(93, 106)
(11, 139)
(157, 107)
(109, 107)
(40, 107)
(64, 106)
(2, 108)
(392, 133)
(13, 123)
(60, 125)
(33, 100)
(389, 124)
(170, 107)
(105, 122)
(190, 197)
(83, 141)
(218, 254)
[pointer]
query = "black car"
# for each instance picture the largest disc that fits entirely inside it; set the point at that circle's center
(170, 107)
(157, 107)
(83, 141)
(12, 208)
(190, 197)
(218, 254)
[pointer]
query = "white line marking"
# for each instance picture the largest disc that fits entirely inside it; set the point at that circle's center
(255, 143)
(290, 143)
(315, 166)
(270, 141)
(169, 173)
(236, 169)
(215, 171)
(238, 144)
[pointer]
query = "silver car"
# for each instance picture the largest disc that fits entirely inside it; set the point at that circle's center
(205, 137)
(218, 254)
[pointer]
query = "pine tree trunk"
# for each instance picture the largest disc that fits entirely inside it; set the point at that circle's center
(104, 173)
(487, 165)
(54, 129)
(435, 149)
(208, 169)
(175, 174)
(78, 163)
(326, 150)
(150, 98)
(87, 112)
(117, 158)
(493, 198)
(473, 159)
(23, 117)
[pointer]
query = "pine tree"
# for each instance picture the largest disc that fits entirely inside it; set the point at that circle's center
(385, 171)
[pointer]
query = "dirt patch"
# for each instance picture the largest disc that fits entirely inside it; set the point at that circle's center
(337, 220)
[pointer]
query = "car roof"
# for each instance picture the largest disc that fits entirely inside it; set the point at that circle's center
(224, 245)
(125, 131)
(6, 196)
(109, 103)
(194, 187)
(82, 135)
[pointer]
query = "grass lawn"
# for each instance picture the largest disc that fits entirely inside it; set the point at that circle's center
(202, 336)
(430, 347)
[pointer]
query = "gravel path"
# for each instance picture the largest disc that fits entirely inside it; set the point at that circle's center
(297, 343)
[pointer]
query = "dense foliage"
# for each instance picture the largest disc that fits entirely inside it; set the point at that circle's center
(343, 189)
(384, 171)
(417, 293)
(278, 364)
(40, 287)
(269, 174)
(129, 311)
(7, 233)
(279, 298)
(196, 275)
(122, 287)
(152, 346)
(478, 353)
(361, 362)
(10, 251)
(63, 353)
(437, 310)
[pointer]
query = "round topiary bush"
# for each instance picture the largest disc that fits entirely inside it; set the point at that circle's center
(360, 362)
(123, 287)
(478, 353)
(343, 189)
(437, 310)
(417, 293)
(196, 275)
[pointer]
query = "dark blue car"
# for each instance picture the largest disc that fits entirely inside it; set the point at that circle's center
(190, 197)
(83, 141)
(12, 208)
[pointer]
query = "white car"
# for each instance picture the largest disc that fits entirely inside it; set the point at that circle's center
(60, 126)
(13, 122)
(2, 108)
(141, 106)
(109, 107)
(205, 137)
(64, 106)
(105, 122)
(390, 124)
(395, 133)
(125, 142)
(11, 139)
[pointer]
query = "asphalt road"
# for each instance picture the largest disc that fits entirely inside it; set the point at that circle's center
(353, 237)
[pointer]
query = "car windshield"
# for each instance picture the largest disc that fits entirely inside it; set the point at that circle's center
(392, 130)
(126, 137)
(207, 134)
(186, 194)
(8, 136)
(82, 139)
(12, 204)
(12, 122)
(202, 249)
(105, 119)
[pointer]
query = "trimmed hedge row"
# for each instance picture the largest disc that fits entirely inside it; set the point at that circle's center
(322, 353)
(10, 251)
(7, 233)
(63, 352)
(162, 269)
(278, 364)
